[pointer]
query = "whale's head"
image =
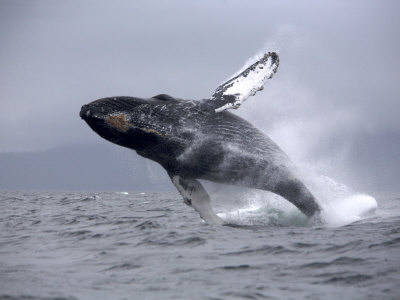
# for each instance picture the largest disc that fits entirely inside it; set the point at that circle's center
(131, 122)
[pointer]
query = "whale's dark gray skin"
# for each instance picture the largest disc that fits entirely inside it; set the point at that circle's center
(192, 141)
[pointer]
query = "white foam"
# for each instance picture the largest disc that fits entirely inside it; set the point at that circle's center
(347, 210)
(340, 206)
(264, 208)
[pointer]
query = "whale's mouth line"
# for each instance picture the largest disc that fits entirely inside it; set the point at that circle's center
(153, 131)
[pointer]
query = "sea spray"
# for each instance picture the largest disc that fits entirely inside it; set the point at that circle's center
(340, 205)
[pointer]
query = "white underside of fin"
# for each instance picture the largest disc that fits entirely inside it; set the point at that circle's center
(247, 83)
(194, 193)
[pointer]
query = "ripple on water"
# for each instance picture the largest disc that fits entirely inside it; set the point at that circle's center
(340, 248)
(347, 279)
(243, 295)
(172, 239)
(28, 297)
(304, 245)
(83, 234)
(125, 220)
(238, 267)
(387, 244)
(338, 261)
(266, 249)
(148, 225)
(123, 267)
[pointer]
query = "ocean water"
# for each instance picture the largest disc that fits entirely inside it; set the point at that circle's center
(70, 245)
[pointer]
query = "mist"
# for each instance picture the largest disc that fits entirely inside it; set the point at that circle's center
(332, 106)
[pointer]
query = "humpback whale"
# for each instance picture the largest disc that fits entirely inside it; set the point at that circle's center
(201, 140)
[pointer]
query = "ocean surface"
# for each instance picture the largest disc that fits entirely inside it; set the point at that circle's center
(126, 245)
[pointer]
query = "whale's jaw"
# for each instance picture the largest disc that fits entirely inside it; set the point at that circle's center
(130, 122)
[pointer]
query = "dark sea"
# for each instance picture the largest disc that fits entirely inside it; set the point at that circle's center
(126, 245)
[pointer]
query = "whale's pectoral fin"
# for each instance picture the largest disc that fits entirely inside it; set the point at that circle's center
(195, 195)
(232, 93)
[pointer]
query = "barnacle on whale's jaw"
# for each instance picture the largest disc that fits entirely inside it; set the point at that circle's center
(118, 122)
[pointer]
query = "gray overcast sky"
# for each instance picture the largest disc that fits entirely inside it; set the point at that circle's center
(337, 81)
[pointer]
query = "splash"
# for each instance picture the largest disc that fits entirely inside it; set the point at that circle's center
(265, 209)
(340, 206)
(309, 135)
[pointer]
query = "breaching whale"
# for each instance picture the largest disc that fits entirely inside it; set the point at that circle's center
(200, 139)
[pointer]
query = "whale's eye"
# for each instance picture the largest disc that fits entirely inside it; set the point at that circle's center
(164, 97)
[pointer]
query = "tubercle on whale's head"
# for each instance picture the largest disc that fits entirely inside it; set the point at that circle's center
(131, 122)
